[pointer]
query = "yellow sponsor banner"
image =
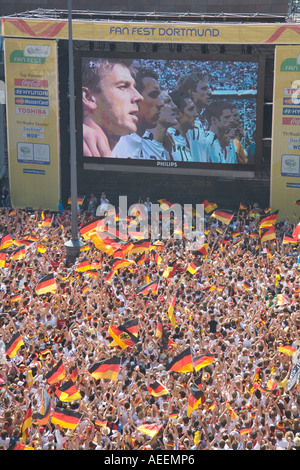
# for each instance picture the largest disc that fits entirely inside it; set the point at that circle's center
(32, 122)
(285, 160)
(170, 32)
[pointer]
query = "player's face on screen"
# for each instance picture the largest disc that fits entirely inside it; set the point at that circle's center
(189, 114)
(226, 120)
(202, 94)
(117, 102)
(149, 108)
(168, 112)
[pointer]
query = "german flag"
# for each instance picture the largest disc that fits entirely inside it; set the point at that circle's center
(67, 419)
(15, 297)
(107, 369)
(267, 210)
(80, 200)
(68, 392)
(46, 284)
(261, 388)
(202, 251)
(46, 222)
(164, 204)
(244, 431)
(85, 288)
(222, 216)
(157, 389)
(56, 374)
(297, 202)
(159, 328)
(287, 349)
(268, 235)
(41, 248)
(246, 285)
(150, 429)
(202, 361)
(13, 346)
(295, 234)
(170, 270)
(182, 362)
(147, 289)
(17, 254)
(140, 259)
(193, 266)
(43, 415)
(90, 228)
(121, 263)
(171, 310)
(100, 423)
(282, 299)
(287, 239)
(74, 373)
(195, 399)
(269, 221)
(232, 413)
(3, 260)
(122, 336)
(209, 206)
(166, 341)
(156, 257)
(140, 246)
(83, 266)
(23, 241)
(27, 423)
(243, 207)
(6, 241)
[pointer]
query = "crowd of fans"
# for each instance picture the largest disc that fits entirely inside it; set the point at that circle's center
(228, 309)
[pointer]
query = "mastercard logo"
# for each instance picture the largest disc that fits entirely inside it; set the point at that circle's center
(20, 101)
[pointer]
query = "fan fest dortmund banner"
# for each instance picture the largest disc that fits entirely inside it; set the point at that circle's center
(32, 122)
(285, 167)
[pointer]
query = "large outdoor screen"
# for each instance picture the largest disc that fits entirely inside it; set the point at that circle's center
(169, 113)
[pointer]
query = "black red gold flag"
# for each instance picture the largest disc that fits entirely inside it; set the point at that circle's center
(67, 419)
(182, 362)
(42, 417)
(107, 369)
(195, 399)
(157, 389)
(13, 346)
(147, 289)
(56, 374)
(202, 361)
(46, 284)
(222, 216)
(68, 392)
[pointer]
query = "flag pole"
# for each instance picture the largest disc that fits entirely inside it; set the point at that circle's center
(73, 245)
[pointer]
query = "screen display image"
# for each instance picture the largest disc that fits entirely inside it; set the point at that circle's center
(179, 113)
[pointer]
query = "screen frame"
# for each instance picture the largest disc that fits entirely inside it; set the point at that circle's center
(150, 166)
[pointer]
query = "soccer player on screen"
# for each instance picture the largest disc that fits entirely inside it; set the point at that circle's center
(157, 144)
(221, 119)
(197, 86)
(110, 104)
(186, 115)
(131, 146)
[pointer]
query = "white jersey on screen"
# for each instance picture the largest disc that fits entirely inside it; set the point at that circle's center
(129, 146)
(141, 148)
(180, 147)
(152, 149)
(197, 142)
(218, 154)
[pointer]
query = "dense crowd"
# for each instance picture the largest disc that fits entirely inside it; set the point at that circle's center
(237, 308)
